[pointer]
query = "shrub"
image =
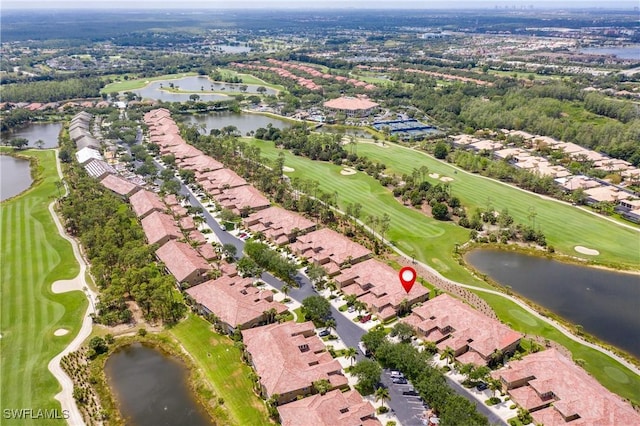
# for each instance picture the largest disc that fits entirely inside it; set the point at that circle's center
(142, 332)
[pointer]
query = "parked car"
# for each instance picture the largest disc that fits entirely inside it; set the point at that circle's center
(396, 373)
(482, 386)
(399, 380)
(411, 392)
(363, 349)
(351, 309)
(324, 333)
(365, 318)
(224, 228)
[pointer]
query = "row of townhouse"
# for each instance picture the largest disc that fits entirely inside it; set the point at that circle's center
(596, 190)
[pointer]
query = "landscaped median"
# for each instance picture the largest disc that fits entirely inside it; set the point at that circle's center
(34, 256)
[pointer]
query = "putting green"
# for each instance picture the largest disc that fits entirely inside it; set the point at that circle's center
(616, 374)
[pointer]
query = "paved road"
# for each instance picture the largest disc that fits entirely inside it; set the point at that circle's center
(407, 408)
(494, 419)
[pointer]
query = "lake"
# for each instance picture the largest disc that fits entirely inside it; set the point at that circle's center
(623, 52)
(605, 303)
(199, 85)
(151, 388)
(47, 132)
(245, 122)
(15, 176)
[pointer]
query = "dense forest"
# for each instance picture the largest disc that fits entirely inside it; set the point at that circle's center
(51, 91)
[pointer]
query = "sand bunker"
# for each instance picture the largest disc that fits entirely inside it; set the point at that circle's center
(60, 332)
(446, 179)
(288, 169)
(587, 251)
(348, 171)
(434, 175)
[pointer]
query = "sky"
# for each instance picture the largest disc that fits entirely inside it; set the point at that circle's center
(325, 4)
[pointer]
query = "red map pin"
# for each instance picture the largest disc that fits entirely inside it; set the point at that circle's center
(407, 277)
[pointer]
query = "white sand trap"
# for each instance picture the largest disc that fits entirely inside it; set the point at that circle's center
(434, 175)
(347, 171)
(288, 169)
(61, 332)
(446, 179)
(588, 251)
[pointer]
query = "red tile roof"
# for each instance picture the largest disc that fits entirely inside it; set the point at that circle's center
(183, 261)
(224, 178)
(119, 186)
(159, 227)
(327, 246)
(570, 391)
(242, 197)
(350, 104)
(461, 325)
(378, 286)
(235, 300)
(335, 408)
(276, 222)
(144, 202)
(289, 357)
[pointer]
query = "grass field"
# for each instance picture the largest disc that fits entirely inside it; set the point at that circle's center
(433, 242)
(138, 83)
(564, 225)
(220, 362)
(251, 79)
(33, 257)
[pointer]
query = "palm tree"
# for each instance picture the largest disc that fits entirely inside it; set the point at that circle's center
(286, 287)
(330, 324)
(270, 315)
(351, 354)
(449, 354)
(382, 394)
(494, 384)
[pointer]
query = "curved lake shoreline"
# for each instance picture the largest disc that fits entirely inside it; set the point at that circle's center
(600, 300)
(17, 174)
(151, 385)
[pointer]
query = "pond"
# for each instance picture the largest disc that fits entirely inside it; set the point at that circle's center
(151, 388)
(604, 302)
(622, 52)
(15, 176)
(200, 85)
(245, 122)
(47, 132)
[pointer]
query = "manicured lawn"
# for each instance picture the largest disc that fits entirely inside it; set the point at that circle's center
(410, 230)
(220, 362)
(133, 83)
(564, 226)
(33, 257)
(251, 79)
(433, 242)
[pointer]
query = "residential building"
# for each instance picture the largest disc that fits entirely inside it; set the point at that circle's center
(557, 392)
(221, 179)
(352, 107)
(288, 358)
(235, 301)
(278, 225)
(331, 250)
(184, 263)
(376, 284)
(335, 408)
(159, 228)
(120, 186)
(242, 200)
(99, 169)
(474, 337)
(146, 202)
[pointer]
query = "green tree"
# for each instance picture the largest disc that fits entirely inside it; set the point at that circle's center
(351, 354)
(382, 394)
(403, 331)
(229, 250)
(322, 386)
(18, 143)
(368, 375)
(441, 150)
(316, 308)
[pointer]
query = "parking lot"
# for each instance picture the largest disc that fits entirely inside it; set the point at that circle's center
(408, 407)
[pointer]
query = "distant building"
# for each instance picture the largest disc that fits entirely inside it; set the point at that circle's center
(352, 107)
(278, 225)
(145, 202)
(119, 185)
(159, 228)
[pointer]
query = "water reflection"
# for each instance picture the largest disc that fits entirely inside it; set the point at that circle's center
(199, 85)
(602, 301)
(151, 388)
(15, 176)
(245, 122)
(46, 132)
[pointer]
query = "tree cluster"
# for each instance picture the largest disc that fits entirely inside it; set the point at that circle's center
(273, 262)
(51, 91)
